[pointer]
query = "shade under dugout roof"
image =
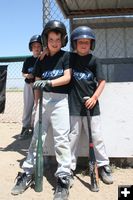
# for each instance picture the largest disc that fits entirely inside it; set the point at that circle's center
(95, 8)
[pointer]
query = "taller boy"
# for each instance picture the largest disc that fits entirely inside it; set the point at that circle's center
(53, 75)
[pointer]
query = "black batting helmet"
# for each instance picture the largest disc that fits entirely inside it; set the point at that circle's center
(82, 32)
(34, 38)
(54, 25)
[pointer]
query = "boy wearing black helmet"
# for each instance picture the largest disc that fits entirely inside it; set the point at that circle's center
(35, 46)
(52, 75)
(87, 80)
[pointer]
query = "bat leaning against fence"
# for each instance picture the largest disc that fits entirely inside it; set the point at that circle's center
(93, 169)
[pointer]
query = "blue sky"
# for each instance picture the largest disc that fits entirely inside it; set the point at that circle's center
(19, 20)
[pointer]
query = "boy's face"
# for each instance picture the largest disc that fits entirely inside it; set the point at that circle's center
(54, 42)
(36, 48)
(83, 46)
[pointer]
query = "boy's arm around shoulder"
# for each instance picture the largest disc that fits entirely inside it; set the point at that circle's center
(65, 79)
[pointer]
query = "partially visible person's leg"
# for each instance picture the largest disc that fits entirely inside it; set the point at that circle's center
(27, 111)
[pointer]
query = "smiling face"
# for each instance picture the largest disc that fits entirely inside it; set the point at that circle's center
(54, 42)
(83, 46)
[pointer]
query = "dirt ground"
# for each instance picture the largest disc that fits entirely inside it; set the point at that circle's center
(12, 153)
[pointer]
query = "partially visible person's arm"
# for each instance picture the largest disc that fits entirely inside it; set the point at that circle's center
(44, 53)
(28, 76)
(36, 94)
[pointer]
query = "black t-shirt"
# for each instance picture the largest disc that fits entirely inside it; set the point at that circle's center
(52, 67)
(28, 68)
(86, 71)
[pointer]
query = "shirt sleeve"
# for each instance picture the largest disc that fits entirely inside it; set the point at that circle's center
(100, 70)
(24, 68)
(66, 61)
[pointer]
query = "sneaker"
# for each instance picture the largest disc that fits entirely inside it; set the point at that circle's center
(62, 189)
(23, 181)
(105, 174)
(25, 134)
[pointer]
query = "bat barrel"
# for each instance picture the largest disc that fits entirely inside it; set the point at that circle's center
(94, 187)
(39, 154)
(39, 175)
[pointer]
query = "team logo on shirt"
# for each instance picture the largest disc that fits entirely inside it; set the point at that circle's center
(53, 74)
(83, 76)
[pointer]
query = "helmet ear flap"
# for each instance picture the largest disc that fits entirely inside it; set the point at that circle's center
(44, 39)
(30, 47)
(64, 40)
(92, 45)
(74, 44)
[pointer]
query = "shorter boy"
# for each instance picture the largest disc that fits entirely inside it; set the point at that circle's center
(87, 80)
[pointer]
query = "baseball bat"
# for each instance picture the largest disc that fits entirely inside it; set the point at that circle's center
(93, 169)
(39, 153)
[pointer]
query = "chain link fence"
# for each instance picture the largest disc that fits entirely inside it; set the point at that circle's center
(14, 89)
(114, 45)
(51, 11)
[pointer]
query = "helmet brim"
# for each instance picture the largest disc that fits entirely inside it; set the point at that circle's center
(83, 37)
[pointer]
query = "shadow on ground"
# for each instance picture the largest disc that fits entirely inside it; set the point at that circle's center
(20, 146)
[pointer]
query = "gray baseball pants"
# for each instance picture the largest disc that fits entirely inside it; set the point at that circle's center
(55, 112)
(28, 96)
(76, 125)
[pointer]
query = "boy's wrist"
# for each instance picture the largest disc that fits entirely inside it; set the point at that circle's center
(49, 83)
(95, 97)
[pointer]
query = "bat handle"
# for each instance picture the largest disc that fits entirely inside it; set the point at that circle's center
(86, 98)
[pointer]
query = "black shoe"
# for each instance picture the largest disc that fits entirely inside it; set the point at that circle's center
(23, 181)
(105, 174)
(62, 189)
(25, 134)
